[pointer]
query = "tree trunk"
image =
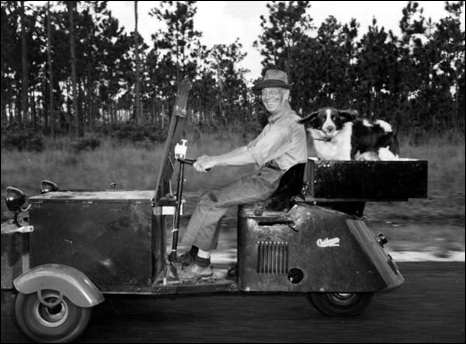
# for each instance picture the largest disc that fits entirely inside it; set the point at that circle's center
(138, 85)
(71, 6)
(112, 114)
(89, 101)
(24, 62)
(49, 59)
(32, 103)
(69, 117)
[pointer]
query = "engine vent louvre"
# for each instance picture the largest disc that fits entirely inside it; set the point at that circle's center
(272, 257)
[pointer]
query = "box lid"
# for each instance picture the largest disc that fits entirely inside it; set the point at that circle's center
(94, 196)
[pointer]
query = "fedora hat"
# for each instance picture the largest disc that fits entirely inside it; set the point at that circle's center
(273, 78)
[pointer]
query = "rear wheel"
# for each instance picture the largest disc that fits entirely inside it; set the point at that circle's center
(48, 316)
(340, 304)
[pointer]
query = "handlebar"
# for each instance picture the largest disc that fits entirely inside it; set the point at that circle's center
(191, 162)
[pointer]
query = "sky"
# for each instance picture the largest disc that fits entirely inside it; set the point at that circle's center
(222, 22)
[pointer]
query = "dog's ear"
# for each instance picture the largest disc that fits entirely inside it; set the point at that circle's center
(309, 120)
(348, 115)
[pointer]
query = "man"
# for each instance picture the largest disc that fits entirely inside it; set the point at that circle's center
(281, 145)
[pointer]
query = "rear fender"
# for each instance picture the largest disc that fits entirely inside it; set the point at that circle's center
(384, 263)
(72, 283)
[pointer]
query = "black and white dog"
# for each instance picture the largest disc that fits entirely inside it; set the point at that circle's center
(338, 135)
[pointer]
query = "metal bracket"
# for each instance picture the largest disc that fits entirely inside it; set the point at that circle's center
(22, 229)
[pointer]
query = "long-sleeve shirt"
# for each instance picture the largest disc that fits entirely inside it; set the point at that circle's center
(282, 141)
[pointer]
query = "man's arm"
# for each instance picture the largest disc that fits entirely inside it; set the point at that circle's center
(237, 157)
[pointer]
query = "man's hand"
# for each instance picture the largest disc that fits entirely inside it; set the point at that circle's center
(204, 163)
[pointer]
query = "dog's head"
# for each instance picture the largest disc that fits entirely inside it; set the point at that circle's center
(328, 121)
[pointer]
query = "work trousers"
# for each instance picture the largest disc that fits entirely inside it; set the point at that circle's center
(204, 226)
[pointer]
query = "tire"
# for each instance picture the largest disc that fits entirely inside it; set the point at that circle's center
(60, 323)
(340, 304)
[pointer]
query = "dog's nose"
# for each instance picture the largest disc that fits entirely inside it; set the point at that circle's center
(330, 128)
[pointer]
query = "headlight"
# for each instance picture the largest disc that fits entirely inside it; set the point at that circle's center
(48, 186)
(14, 199)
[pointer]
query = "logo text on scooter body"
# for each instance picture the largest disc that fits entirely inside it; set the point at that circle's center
(328, 242)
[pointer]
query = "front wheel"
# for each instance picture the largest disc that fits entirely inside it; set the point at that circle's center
(340, 304)
(48, 316)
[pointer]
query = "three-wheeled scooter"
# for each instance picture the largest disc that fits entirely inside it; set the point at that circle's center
(310, 237)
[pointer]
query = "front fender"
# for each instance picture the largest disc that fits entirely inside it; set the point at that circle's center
(71, 282)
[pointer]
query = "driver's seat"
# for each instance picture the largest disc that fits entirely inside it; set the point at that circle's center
(290, 186)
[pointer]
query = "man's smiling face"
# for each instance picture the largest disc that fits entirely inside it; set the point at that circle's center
(273, 99)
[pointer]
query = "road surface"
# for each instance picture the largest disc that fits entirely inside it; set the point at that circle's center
(428, 308)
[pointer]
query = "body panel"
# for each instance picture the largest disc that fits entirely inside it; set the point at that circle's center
(109, 236)
(315, 242)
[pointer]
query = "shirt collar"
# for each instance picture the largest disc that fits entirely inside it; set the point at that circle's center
(276, 117)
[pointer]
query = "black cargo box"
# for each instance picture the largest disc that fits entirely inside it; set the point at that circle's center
(366, 180)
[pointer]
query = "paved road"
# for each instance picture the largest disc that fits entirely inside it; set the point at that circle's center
(428, 308)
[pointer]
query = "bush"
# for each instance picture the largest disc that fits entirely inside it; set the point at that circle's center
(23, 140)
(85, 144)
(139, 134)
